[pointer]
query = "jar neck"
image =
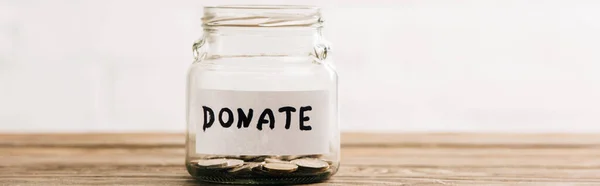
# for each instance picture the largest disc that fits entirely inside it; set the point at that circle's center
(261, 41)
(256, 30)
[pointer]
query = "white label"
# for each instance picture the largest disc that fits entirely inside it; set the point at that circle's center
(261, 122)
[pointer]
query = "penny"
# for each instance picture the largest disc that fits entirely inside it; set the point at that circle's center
(210, 163)
(280, 167)
(311, 164)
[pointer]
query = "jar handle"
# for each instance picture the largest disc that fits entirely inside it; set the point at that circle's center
(197, 49)
(321, 51)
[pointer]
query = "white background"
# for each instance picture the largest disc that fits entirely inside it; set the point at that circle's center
(410, 65)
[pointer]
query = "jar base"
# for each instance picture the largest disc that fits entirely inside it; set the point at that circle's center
(262, 181)
(254, 178)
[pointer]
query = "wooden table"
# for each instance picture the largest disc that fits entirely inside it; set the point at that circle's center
(367, 159)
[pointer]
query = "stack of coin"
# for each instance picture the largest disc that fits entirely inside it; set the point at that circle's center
(263, 166)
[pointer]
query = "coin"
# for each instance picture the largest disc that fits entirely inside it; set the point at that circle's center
(259, 167)
(245, 168)
(248, 158)
(280, 167)
(311, 164)
(274, 160)
(328, 162)
(229, 163)
(234, 162)
(253, 158)
(210, 163)
(311, 156)
(289, 157)
(293, 157)
(231, 157)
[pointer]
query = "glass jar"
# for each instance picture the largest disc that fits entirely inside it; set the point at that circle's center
(262, 98)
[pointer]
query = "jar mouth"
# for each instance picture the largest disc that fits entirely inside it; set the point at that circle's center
(262, 16)
(300, 7)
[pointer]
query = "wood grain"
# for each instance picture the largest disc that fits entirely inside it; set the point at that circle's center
(367, 159)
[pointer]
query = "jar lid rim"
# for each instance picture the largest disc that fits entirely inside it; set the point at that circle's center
(262, 16)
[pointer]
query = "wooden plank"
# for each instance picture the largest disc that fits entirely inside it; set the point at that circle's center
(473, 140)
(398, 175)
(417, 157)
(379, 171)
(358, 181)
(437, 140)
(94, 140)
(157, 159)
